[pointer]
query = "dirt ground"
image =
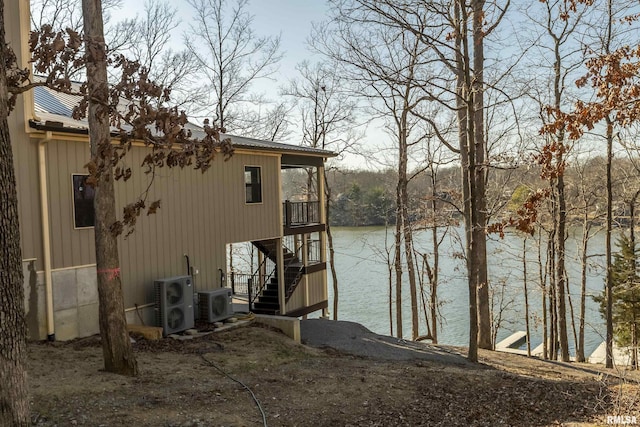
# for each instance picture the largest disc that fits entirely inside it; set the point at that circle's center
(201, 382)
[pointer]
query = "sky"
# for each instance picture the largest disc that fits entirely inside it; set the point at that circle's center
(292, 19)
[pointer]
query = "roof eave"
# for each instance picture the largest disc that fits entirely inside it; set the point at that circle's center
(60, 127)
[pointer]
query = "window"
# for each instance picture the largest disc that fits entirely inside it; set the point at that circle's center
(83, 194)
(252, 184)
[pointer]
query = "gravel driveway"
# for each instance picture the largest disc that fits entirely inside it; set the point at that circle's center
(355, 339)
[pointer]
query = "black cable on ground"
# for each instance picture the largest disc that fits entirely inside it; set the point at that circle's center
(255, 399)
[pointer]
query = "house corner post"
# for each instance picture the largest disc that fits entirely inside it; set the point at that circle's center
(305, 262)
(323, 234)
(280, 269)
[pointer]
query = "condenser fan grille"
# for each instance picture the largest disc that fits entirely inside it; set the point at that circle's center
(175, 293)
(219, 305)
(175, 318)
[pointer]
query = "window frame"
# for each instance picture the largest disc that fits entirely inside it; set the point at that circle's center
(73, 201)
(253, 185)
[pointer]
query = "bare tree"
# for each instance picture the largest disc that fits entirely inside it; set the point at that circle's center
(116, 345)
(559, 42)
(526, 295)
(328, 120)
(63, 13)
(147, 40)
(612, 74)
(387, 67)
(437, 219)
(454, 33)
(589, 192)
(612, 42)
(231, 57)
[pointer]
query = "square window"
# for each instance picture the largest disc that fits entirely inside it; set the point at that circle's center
(252, 184)
(83, 195)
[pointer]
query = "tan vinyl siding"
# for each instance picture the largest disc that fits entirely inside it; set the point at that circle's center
(25, 160)
(316, 289)
(199, 214)
(296, 300)
(25, 151)
(69, 246)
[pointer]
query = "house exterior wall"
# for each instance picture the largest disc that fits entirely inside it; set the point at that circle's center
(200, 213)
(25, 153)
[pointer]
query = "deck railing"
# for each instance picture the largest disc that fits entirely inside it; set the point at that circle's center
(300, 213)
(313, 248)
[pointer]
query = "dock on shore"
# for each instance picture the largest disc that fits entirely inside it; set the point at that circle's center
(514, 342)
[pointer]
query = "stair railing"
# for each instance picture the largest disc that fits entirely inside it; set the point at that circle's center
(297, 258)
(256, 290)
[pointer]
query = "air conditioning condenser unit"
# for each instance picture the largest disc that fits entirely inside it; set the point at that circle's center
(174, 299)
(216, 305)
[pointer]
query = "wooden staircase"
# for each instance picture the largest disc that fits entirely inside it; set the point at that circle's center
(268, 301)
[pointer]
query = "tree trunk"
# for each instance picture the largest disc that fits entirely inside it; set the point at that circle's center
(332, 261)
(406, 229)
(632, 243)
(609, 267)
(423, 295)
(560, 267)
(580, 356)
(526, 295)
(116, 345)
(462, 99)
(553, 324)
(571, 311)
(389, 272)
(14, 402)
(609, 229)
(543, 286)
(479, 178)
(436, 263)
(397, 262)
(559, 214)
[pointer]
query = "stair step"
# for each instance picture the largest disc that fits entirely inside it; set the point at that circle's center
(270, 292)
(268, 299)
(266, 307)
(268, 312)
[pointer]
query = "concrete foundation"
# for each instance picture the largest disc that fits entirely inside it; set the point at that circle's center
(34, 301)
(75, 302)
(290, 326)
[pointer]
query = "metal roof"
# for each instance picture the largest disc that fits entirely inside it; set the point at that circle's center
(52, 106)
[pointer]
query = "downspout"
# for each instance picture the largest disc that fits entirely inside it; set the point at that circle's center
(46, 236)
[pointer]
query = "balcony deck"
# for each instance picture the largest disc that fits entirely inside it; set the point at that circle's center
(301, 217)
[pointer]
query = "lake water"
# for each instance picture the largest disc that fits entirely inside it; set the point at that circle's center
(364, 284)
